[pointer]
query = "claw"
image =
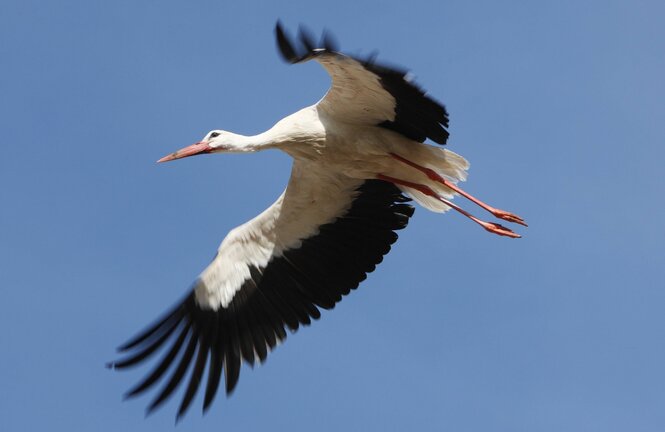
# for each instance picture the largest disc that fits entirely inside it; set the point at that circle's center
(507, 216)
(499, 229)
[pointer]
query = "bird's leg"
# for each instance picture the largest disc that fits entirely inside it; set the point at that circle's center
(433, 175)
(489, 226)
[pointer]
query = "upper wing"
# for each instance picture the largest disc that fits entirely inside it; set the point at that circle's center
(363, 91)
(276, 271)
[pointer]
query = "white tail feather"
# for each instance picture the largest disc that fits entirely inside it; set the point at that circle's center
(445, 163)
(430, 203)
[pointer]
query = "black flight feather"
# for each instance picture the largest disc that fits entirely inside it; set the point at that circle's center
(287, 292)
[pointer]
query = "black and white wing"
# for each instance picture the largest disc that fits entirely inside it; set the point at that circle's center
(364, 92)
(310, 248)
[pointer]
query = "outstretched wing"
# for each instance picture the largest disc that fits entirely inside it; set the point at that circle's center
(365, 92)
(272, 273)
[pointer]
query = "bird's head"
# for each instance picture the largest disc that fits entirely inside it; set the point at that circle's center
(215, 141)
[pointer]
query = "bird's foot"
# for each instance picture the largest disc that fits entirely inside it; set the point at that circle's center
(507, 216)
(492, 227)
(434, 176)
(498, 229)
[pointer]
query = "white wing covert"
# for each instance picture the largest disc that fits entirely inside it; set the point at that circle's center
(363, 91)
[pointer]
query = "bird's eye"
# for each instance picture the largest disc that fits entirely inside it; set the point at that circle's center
(214, 135)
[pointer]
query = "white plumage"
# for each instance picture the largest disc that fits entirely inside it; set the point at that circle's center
(306, 204)
(354, 152)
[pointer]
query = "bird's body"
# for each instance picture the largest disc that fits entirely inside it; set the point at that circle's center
(328, 168)
(356, 153)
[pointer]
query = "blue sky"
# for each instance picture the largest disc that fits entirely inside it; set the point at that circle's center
(558, 106)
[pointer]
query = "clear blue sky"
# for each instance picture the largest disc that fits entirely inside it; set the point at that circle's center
(558, 106)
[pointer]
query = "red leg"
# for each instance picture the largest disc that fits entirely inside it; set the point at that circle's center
(501, 214)
(489, 226)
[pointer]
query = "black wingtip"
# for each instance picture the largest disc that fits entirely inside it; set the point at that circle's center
(231, 369)
(286, 49)
(304, 47)
(154, 329)
(329, 42)
(205, 409)
(371, 58)
(129, 395)
(306, 38)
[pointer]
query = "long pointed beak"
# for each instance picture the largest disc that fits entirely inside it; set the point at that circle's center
(194, 149)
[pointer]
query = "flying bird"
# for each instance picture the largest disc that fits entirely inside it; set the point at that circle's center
(359, 158)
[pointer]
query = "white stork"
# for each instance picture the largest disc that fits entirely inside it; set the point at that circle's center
(357, 153)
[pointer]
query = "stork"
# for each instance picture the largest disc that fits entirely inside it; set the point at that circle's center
(359, 157)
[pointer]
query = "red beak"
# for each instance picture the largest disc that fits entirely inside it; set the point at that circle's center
(194, 149)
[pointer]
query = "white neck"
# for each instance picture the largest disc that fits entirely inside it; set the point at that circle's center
(302, 127)
(235, 143)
